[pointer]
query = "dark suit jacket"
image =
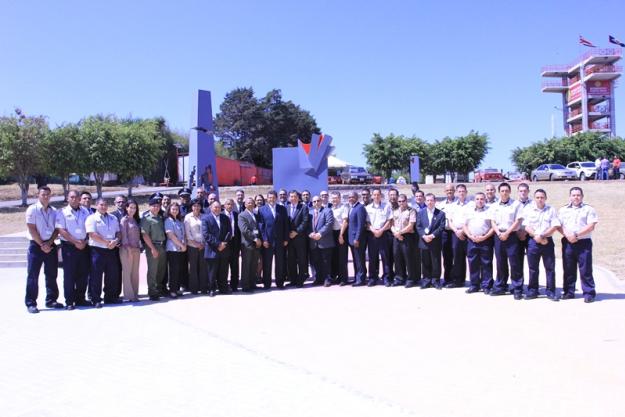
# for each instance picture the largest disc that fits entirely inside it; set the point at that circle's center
(435, 228)
(357, 224)
(299, 222)
(249, 229)
(275, 231)
(235, 243)
(214, 234)
(325, 221)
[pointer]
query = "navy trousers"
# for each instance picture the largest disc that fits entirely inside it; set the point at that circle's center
(405, 257)
(459, 269)
(535, 251)
(76, 266)
(507, 252)
(359, 256)
(104, 262)
(480, 256)
(448, 255)
(268, 255)
(378, 249)
(320, 259)
(574, 255)
(50, 261)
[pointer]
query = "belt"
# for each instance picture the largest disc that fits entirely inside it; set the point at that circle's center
(158, 242)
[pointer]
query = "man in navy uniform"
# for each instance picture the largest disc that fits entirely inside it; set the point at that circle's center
(578, 221)
(430, 227)
(70, 223)
(103, 230)
(357, 238)
(479, 232)
(379, 219)
(40, 220)
(274, 231)
(506, 217)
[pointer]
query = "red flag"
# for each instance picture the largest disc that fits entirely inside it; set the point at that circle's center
(586, 42)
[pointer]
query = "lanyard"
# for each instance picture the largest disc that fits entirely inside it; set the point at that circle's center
(46, 217)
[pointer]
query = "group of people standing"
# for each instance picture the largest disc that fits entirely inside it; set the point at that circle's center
(603, 166)
(286, 237)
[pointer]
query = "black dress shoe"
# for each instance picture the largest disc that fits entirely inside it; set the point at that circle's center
(486, 291)
(438, 285)
(518, 296)
(155, 298)
(568, 296)
(342, 283)
(358, 284)
(69, 307)
(497, 292)
(397, 284)
(327, 283)
(55, 305)
(589, 298)
(471, 290)
(409, 284)
(98, 304)
(33, 309)
(387, 283)
(82, 303)
(317, 283)
(530, 296)
(372, 282)
(553, 297)
(424, 285)
(227, 291)
(211, 293)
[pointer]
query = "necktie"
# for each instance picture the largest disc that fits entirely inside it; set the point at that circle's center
(315, 218)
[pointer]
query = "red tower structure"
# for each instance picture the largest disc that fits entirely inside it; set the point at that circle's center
(587, 88)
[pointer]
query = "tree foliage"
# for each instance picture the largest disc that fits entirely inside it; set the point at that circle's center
(21, 145)
(392, 153)
(249, 128)
(586, 146)
(65, 154)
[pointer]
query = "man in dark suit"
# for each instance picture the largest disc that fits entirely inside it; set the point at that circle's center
(430, 227)
(274, 232)
(235, 244)
(321, 241)
(357, 238)
(217, 233)
(240, 201)
(250, 246)
(298, 242)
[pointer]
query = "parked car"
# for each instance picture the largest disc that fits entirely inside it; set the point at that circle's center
(488, 174)
(584, 170)
(552, 172)
(356, 175)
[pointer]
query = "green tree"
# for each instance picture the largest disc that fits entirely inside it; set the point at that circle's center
(458, 155)
(65, 154)
(249, 128)
(21, 155)
(144, 144)
(102, 136)
(392, 153)
(586, 146)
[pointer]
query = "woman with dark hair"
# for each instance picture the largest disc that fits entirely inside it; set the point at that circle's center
(176, 248)
(198, 274)
(130, 250)
(259, 201)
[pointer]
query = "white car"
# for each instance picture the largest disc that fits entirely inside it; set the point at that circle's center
(585, 170)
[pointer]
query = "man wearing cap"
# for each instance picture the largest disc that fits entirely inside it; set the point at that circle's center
(104, 237)
(578, 221)
(70, 223)
(154, 196)
(40, 221)
(153, 232)
(184, 194)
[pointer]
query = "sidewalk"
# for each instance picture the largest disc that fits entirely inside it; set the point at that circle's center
(336, 351)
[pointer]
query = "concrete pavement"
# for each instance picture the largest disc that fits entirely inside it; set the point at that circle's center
(336, 351)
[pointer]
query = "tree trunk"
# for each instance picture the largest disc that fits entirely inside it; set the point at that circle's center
(65, 187)
(24, 191)
(99, 178)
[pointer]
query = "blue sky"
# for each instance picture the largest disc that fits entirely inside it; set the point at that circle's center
(430, 69)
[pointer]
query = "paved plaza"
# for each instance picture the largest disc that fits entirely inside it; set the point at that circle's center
(336, 351)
